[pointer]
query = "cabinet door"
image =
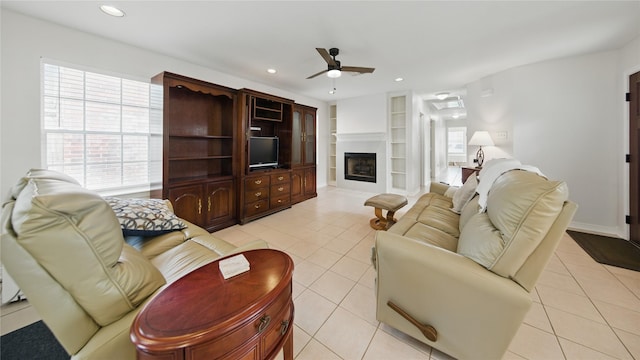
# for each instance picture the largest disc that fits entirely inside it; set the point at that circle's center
(220, 203)
(296, 141)
(187, 202)
(309, 138)
(309, 182)
(297, 185)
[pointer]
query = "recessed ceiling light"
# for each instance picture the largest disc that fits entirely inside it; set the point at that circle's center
(442, 95)
(111, 10)
(272, 71)
(398, 79)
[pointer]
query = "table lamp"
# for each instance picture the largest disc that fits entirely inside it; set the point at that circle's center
(480, 138)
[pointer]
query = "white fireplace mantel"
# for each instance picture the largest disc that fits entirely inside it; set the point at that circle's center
(377, 136)
(374, 142)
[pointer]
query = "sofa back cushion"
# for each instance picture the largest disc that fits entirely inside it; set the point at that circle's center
(73, 233)
(521, 208)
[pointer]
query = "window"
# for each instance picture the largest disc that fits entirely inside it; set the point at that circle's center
(104, 131)
(457, 141)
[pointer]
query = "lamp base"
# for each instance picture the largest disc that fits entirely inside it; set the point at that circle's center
(480, 156)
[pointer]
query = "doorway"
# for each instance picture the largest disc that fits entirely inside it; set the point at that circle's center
(634, 158)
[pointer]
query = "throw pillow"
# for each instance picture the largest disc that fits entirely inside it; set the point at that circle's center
(144, 217)
(451, 192)
(464, 194)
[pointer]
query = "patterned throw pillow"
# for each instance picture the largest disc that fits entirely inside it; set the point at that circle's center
(144, 217)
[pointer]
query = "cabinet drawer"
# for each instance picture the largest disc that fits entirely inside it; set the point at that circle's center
(278, 201)
(281, 326)
(251, 195)
(282, 189)
(240, 343)
(283, 178)
(256, 182)
(256, 207)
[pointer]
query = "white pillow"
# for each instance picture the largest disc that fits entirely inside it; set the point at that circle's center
(451, 191)
(464, 194)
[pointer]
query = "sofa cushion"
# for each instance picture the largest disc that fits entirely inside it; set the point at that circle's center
(521, 208)
(144, 217)
(430, 220)
(55, 218)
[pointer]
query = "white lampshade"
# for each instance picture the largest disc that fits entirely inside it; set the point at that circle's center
(481, 138)
(334, 73)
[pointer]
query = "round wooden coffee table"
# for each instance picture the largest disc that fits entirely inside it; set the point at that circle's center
(203, 316)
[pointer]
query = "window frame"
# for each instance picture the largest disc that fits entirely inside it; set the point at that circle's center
(152, 135)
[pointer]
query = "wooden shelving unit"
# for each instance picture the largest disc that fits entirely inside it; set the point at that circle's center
(198, 156)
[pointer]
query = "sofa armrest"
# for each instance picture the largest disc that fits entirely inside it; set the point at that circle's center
(475, 312)
(438, 188)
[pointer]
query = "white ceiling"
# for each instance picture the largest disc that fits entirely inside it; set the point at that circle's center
(434, 45)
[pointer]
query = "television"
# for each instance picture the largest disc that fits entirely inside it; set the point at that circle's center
(263, 151)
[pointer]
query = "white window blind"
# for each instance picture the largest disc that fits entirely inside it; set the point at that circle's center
(104, 131)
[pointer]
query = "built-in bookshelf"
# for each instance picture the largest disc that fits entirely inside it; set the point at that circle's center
(333, 128)
(398, 141)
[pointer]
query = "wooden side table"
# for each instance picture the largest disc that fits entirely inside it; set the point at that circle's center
(203, 316)
(467, 171)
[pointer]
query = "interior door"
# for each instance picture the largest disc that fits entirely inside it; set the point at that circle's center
(634, 163)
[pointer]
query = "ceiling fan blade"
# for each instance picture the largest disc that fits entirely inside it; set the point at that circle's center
(316, 74)
(325, 55)
(358, 69)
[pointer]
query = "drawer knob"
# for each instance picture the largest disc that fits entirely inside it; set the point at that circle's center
(264, 322)
(258, 182)
(280, 188)
(257, 206)
(284, 326)
(280, 178)
(258, 194)
(279, 201)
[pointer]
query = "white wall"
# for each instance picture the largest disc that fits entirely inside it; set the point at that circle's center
(25, 40)
(565, 117)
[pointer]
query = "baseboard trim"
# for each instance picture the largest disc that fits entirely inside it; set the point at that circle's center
(597, 229)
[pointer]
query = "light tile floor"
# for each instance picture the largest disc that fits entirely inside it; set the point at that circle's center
(581, 310)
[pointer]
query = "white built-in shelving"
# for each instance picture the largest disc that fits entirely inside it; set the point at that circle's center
(398, 141)
(333, 123)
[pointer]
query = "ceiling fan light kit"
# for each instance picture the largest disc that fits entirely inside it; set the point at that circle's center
(334, 73)
(334, 68)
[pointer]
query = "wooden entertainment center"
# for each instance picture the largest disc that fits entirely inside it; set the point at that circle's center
(207, 171)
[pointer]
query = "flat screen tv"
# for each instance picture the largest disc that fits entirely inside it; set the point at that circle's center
(263, 151)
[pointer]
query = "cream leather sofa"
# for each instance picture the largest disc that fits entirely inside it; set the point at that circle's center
(464, 280)
(65, 248)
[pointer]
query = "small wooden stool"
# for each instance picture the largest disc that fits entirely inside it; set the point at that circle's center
(389, 202)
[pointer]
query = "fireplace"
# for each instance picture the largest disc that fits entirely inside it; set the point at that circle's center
(360, 166)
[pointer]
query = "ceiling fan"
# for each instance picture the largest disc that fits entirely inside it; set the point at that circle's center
(334, 69)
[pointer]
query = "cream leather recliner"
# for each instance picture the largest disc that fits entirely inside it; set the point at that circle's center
(462, 283)
(65, 248)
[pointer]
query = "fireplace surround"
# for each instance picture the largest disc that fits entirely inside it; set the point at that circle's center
(360, 166)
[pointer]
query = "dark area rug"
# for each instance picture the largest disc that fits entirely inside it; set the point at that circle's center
(34, 341)
(608, 250)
